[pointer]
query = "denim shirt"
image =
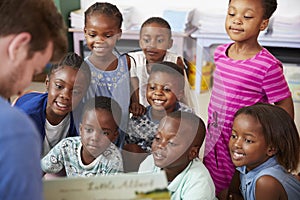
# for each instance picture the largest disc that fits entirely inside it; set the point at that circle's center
(273, 168)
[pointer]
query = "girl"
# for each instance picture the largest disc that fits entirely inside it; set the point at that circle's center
(264, 146)
(246, 73)
(110, 71)
(52, 111)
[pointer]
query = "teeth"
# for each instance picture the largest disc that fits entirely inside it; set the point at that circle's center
(158, 101)
(238, 155)
(61, 105)
(158, 155)
(98, 48)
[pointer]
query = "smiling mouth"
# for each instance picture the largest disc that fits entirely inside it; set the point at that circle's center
(61, 105)
(158, 102)
(158, 155)
(237, 156)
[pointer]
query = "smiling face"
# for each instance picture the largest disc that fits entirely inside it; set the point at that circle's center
(163, 91)
(66, 86)
(101, 34)
(155, 40)
(247, 144)
(97, 131)
(170, 148)
(244, 20)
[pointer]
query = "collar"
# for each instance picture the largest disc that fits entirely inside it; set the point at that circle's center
(172, 187)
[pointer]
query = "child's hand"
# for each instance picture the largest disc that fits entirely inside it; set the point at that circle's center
(137, 109)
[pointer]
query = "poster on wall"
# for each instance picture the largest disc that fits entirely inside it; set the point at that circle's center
(119, 186)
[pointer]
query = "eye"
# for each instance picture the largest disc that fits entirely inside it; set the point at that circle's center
(156, 138)
(105, 133)
(77, 92)
(248, 17)
(58, 86)
(88, 129)
(171, 143)
(233, 136)
(92, 35)
(151, 87)
(167, 89)
(108, 35)
(146, 40)
(248, 141)
(160, 40)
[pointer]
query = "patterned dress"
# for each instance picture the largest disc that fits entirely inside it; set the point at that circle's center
(114, 84)
(141, 130)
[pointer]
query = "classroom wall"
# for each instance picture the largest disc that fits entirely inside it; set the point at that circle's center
(145, 9)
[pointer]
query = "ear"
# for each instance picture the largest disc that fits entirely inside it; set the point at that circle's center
(170, 43)
(271, 151)
(119, 34)
(47, 82)
(194, 151)
(180, 95)
(18, 47)
(116, 134)
(80, 128)
(264, 24)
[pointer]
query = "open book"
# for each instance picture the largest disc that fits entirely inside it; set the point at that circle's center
(119, 186)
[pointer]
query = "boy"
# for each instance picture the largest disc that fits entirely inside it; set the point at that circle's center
(155, 40)
(51, 111)
(93, 152)
(164, 91)
(175, 150)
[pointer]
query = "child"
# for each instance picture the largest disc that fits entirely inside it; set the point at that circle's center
(110, 72)
(164, 91)
(264, 146)
(93, 153)
(155, 40)
(51, 111)
(175, 150)
(245, 73)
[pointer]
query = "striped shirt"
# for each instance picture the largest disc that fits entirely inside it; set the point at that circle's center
(237, 83)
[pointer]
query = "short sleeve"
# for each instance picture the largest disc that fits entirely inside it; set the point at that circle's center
(275, 85)
(53, 162)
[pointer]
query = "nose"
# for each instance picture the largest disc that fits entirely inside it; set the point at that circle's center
(158, 91)
(161, 145)
(152, 43)
(238, 142)
(66, 94)
(237, 21)
(95, 136)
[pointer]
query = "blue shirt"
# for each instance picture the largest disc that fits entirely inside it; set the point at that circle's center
(20, 170)
(34, 104)
(271, 168)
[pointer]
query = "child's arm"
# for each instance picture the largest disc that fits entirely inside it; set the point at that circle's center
(269, 188)
(233, 192)
(52, 162)
(287, 105)
(135, 107)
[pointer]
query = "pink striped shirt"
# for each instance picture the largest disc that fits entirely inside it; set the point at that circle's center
(237, 83)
